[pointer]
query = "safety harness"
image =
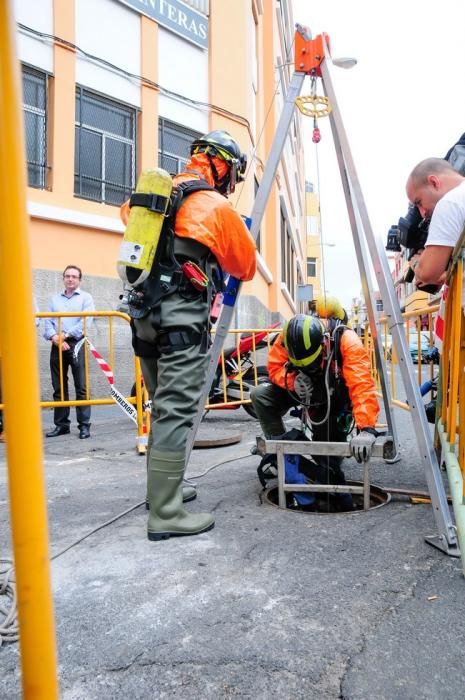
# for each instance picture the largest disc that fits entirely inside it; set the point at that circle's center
(330, 391)
(169, 274)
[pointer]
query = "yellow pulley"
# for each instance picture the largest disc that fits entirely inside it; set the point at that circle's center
(320, 106)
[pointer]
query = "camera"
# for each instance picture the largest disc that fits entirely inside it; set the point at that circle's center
(410, 232)
(413, 229)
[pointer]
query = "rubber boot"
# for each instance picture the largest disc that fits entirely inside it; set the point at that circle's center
(189, 493)
(167, 517)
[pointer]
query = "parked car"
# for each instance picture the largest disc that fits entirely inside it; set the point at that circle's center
(433, 355)
(424, 347)
(426, 351)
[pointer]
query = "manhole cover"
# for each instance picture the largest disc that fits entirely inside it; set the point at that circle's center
(203, 443)
(378, 497)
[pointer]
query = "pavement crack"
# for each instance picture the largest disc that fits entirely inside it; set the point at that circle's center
(125, 667)
(388, 611)
(248, 552)
(217, 505)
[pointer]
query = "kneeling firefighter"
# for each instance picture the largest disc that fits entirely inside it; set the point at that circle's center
(202, 237)
(319, 363)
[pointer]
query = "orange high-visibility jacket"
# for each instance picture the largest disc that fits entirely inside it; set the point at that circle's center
(355, 371)
(209, 218)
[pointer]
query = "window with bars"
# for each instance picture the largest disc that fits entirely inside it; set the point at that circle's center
(311, 267)
(35, 126)
(105, 149)
(174, 143)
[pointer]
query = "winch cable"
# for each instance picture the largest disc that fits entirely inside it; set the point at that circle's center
(9, 628)
(305, 417)
(142, 503)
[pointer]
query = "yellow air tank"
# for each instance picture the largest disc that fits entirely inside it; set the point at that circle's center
(144, 226)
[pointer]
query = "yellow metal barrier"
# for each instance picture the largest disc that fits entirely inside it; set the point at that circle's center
(451, 399)
(412, 318)
(239, 369)
(108, 355)
(17, 334)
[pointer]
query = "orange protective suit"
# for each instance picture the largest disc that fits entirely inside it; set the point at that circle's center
(355, 371)
(209, 218)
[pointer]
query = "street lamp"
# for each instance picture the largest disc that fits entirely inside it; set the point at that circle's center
(320, 244)
(345, 62)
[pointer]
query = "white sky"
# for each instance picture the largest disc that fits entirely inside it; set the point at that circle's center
(404, 101)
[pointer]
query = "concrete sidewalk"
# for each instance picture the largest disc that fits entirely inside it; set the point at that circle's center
(269, 604)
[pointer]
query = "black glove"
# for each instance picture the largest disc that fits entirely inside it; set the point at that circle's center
(361, 444)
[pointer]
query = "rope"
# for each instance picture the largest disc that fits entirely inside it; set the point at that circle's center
(9, 629)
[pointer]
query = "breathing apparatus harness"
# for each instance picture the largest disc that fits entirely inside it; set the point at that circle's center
(168, 274)
(329, 373)
(172, 273)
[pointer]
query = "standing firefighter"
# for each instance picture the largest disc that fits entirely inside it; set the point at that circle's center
(322, 365)
(202, 238)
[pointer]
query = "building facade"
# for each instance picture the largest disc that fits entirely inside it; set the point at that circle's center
(314, 243)
(112, 87)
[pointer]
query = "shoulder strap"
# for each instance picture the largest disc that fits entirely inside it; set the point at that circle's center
(159, 204)
(179, 193)
(183, 190)
(337, 333)
(154, 202)
(336, 328)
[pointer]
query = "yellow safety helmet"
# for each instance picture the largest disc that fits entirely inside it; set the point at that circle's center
(330, 307)
(303, 339)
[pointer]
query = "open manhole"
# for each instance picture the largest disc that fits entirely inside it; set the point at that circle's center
(378, 497)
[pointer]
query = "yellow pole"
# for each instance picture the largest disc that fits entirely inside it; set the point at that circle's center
(19, 363)
(455, 367)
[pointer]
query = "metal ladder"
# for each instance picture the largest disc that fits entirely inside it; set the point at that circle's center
(312, 58)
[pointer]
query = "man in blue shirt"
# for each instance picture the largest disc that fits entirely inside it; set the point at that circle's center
(70, 300)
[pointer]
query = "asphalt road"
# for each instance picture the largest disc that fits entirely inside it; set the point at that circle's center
(269, 604)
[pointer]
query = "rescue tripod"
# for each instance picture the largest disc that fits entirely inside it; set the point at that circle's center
(312, 58)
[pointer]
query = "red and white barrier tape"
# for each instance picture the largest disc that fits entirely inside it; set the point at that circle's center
(440, 319)
(116, 395)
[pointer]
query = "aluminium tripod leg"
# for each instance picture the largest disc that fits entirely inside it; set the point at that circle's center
(360, 223)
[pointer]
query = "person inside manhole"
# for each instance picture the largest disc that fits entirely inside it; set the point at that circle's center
(318, 364)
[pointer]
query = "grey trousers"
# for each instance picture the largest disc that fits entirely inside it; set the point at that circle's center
(174, 380)
(271, 403)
